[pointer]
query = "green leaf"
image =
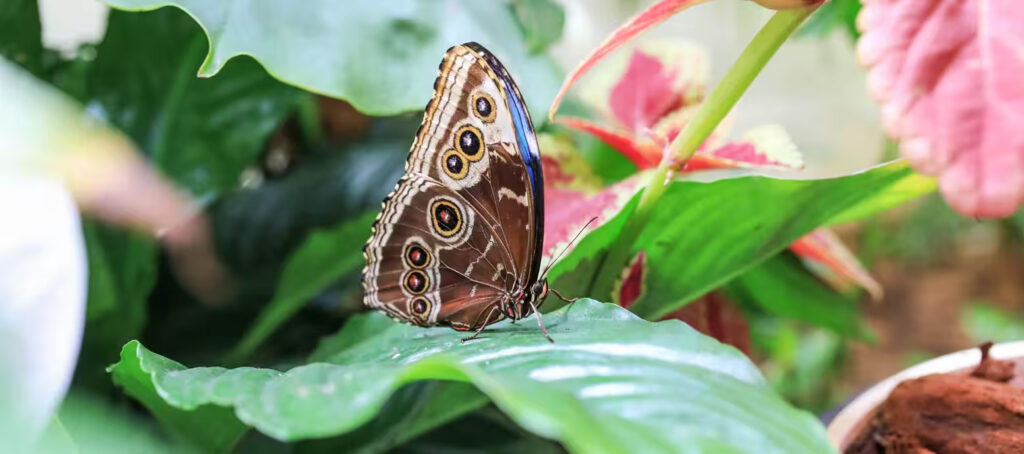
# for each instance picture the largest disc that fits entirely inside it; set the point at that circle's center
(704, 233)
(122, 272)
(987, 323)
(208, 427)
(325, 257)
(541, 20)
(21, 34)
(381, 56)
(783, 287)
(201, 132)
(611, 383)
(411, 411)
(89, 425)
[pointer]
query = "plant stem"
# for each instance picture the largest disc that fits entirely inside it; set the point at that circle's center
(710, 114)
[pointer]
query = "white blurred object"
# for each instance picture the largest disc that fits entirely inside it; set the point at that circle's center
(68, 24)
(813, 87)
(43, 281)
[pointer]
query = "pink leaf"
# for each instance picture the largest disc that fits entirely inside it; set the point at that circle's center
(643, 154)
(640, 23)
(573, 195)
(825, 255)
(716, 316)
(645, 93)
(630, 285)
(764, 146)
(947, 73)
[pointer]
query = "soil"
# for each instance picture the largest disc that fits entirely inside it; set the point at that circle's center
(980, 411)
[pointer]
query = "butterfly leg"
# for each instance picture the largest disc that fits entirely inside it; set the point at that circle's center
(479, 330)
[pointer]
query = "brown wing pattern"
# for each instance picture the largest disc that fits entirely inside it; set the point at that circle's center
(454, 237)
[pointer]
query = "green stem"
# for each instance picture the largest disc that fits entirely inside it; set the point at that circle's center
(710, 114)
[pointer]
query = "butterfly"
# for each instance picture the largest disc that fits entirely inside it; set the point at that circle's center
(459, 240)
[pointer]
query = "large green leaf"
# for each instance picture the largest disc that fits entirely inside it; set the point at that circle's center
(381, 56)
(611, 383)
(202, 132)
(704, 233)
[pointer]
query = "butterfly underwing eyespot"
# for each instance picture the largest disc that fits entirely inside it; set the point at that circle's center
(454, 164)
(446, 216)
(416, 256)
(458, 242)
(468, 142)
(483, 107)
(420, 306)
(415, 282)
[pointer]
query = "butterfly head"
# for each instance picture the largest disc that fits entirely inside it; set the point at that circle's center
(523, 303)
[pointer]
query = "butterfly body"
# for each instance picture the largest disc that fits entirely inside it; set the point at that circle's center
(458, 242)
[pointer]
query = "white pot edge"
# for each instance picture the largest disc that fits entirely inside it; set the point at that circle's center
(850, 415)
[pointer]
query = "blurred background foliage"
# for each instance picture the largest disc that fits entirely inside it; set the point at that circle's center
(292, 180)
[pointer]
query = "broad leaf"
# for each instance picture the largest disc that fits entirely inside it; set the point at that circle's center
(381, 56)
(706, 232)
(610, 383)
(201, 132)
(947, 76)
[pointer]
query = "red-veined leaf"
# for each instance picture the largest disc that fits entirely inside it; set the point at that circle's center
(716, 316)
(573, 195)
(826, 256)
(947, 74)
(640, 23)
(643, 154)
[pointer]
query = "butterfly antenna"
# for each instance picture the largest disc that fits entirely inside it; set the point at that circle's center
(565, 249)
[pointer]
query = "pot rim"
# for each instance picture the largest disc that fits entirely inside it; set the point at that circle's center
(848, 419)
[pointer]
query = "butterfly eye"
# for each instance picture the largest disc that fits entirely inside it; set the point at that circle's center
(468, 142)
(483, 106)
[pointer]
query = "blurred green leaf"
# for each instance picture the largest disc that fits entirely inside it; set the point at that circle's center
(90, 425)
(258, 227)
(21, 34)
(201, 132)
(782, 286)
(703, 234)
(486, 431)
(831, 15)
(610, 383)
(381, 56)
(122, 271)
(987, 323)
(802, 364)
(411, 411)
(542, 22)
(323, 258)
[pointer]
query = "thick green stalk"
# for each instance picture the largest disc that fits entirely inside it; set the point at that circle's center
(711, 112)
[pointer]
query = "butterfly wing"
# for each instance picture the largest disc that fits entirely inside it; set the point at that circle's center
(470, 203)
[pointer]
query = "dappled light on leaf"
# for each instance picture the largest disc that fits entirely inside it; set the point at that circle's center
(947, 75)
(592, 390)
